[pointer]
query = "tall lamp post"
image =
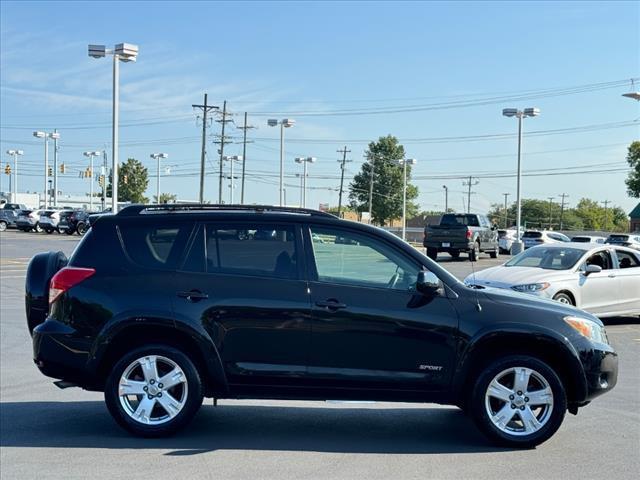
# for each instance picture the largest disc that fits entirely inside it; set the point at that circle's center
(304, 161)
(91, 156)
(157, 157)
(404, 162)
(55, 136)
(122, 52)
(284, 123)
(519, 114)
(231, 159)
(446, 198)
(14, 185)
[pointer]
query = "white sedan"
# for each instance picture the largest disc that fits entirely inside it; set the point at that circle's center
(601, 279)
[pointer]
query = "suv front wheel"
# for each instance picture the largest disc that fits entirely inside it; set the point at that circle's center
(518, 401)
(153, 391)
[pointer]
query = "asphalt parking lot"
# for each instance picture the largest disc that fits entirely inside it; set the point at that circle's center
(50, 433)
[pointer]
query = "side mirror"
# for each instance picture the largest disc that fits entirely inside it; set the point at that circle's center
(592, 269)
(427, 283)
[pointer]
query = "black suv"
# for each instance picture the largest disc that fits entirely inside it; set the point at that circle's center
(160, 306)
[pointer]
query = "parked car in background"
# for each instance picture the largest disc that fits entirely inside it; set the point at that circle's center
(74, 221)
(603, 280)
(462, 232)
(161, 306)
(13, 206)
(588, 239)
(531, 238)
(8, 219)
(29, 220)
(49, 220)
(626, 240)
(506, 239)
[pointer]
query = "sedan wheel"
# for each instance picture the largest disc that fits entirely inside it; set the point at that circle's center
(563, 298)
(3, 226)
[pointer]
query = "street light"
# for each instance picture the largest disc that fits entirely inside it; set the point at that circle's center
(404, 162)
(231, 159)
(157, 157)
(446, 198)
(55, 136)
(91, 156)
(633, 94)
(304, 161)
(520, 114)
(14, 184)
(124, 52)
(284, 123)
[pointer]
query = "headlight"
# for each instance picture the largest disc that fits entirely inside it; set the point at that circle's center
(530, 287)
(587, 328)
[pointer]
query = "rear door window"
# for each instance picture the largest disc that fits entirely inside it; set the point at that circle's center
(154, 246)
(627, 259)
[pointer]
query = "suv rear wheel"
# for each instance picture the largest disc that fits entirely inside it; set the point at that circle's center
(154, 391)
(518, 401)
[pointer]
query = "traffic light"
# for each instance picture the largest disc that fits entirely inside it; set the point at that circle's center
(50, 172)
(7, 169)
(125, 179)
(63, 168)
(101, 181)
(87, 172)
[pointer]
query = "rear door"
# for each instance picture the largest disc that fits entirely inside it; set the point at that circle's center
(243, 284)
(628, 273)
(371, 329)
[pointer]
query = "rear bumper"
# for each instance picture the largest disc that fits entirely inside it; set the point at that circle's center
(60, 354)
(25, 223)
(462, 246)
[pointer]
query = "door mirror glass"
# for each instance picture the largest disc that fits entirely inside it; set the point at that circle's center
(592, 269)
(428, 283)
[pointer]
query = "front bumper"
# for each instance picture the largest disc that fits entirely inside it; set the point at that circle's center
(600, 365)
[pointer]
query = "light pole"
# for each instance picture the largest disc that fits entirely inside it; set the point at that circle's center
(304, 161)
(404, 162)
(519, 114)
(91, 156)
(55, 135)
(231, 159)
(14, 186)
(446, 198)
(157, 157)
(284, 123)
(124, 52)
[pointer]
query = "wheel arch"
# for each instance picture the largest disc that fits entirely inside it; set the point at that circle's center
(555, 352)
(568, 292)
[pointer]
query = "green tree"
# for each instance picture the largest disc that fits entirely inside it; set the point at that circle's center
(133, 179)
(633, 179)
(387, 182)
(166, 198)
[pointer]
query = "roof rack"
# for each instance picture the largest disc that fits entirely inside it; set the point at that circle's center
(132, 210)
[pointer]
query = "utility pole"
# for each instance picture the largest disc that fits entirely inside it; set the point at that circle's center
(550, 205)
(244, 154)
(506, 212)
(205, 109)
(563, 196)
(344, 152)
(606, 203)
(223, 121)
(55, 168)
(372, 163)
(469, 184)
(446, 198)
(104, 184)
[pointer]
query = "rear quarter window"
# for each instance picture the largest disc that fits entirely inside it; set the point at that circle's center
(154, 245)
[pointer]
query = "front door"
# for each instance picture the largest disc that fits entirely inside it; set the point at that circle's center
(599, 292)
(371, 329)
(243, 284)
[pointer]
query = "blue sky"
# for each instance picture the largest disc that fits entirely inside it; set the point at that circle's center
(317, 58)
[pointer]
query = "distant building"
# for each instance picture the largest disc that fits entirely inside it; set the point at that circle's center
(635, 219)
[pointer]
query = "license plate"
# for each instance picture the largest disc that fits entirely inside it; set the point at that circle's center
(446, 244)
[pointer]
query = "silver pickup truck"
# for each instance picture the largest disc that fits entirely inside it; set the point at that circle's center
(462, 232)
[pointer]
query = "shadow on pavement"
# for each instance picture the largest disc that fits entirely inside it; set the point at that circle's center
(233, 427)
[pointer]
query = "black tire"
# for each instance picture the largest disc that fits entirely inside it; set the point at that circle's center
(82, 228)
(474, 253)
(478, 408)
(193, 399)
(564, 298)
(49, 231)
(37, 228)
(69, 231)
(432, 253)
(455, 254)
(495, 253)
(3, 226)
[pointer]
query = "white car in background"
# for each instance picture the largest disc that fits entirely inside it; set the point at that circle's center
(532, 238)
(601, 279)
(506, 239)
(588, 239)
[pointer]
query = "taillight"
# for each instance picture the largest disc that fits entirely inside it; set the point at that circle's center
(32, 215)
(468, 234)
(65, 279)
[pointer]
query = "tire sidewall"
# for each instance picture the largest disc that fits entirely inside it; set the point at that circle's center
(194, 396)
(474, 253)
(3, 226)
(557, 296)
(479, 413)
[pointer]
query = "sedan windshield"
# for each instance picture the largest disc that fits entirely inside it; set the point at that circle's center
(549, 258)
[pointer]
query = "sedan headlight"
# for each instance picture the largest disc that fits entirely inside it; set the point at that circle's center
(530, 287)
(587, 328)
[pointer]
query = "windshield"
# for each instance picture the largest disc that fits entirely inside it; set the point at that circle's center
(548, 258)
(470, 220)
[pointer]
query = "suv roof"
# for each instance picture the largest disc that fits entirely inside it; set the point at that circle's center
(200, 208)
